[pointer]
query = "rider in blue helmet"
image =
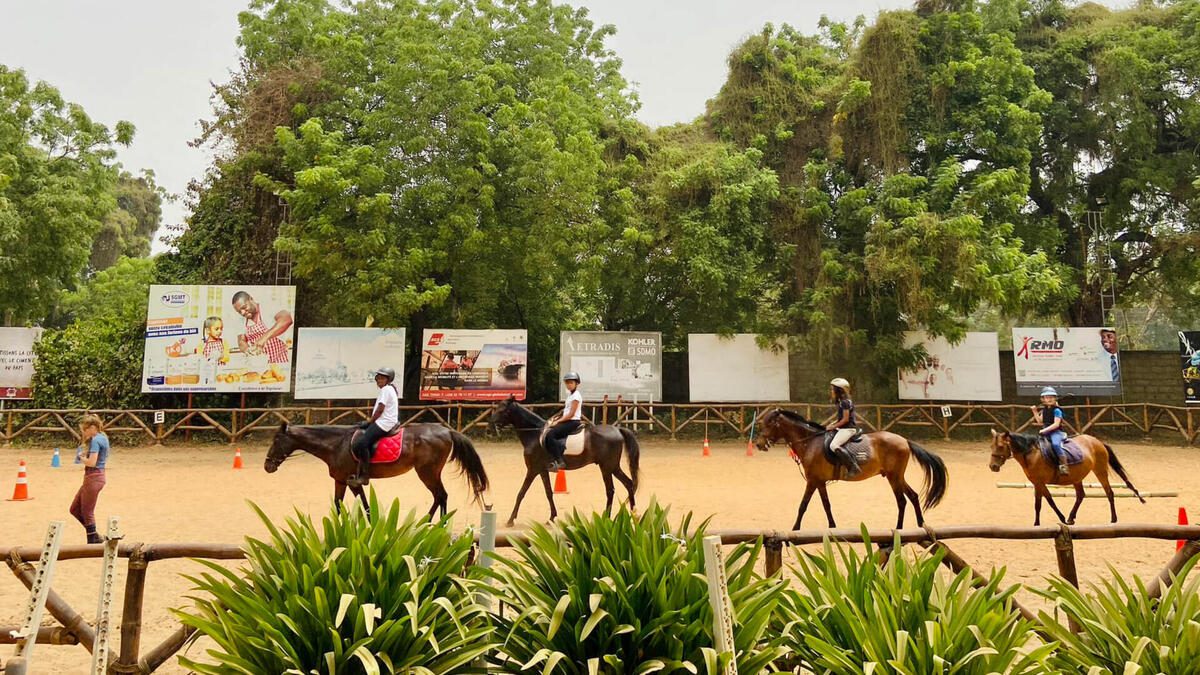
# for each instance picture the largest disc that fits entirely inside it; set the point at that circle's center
(1050, 418)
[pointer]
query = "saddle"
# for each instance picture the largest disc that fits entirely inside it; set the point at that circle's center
(389, 448)
(857, 446)
(574, 440)
(1071, 449)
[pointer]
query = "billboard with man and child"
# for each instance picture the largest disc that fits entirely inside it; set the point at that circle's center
(202, 338)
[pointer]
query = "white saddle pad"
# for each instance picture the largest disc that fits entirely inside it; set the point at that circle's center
(575, 443)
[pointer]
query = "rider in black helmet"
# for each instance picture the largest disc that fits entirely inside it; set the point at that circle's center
(383, 419)
(567, 424)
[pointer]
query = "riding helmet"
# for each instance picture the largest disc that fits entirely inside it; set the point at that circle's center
(386, 372)
(1049, 391)
(572, 376)
(840, 383)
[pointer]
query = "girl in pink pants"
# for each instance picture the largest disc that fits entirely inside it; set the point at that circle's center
(83, 508)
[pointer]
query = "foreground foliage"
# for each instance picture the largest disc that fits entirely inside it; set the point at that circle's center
(851, 615)
(627, 595)
(355, 595)
(1123, 630)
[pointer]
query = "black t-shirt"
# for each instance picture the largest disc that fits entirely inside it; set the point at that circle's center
(845, 404)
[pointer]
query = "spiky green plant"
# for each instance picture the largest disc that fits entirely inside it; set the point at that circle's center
(852, 615)
(1122, 630)
(626, 595)
(357, 595)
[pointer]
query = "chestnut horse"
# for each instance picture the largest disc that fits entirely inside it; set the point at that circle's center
(427, 447)
(1097, 458)
(888, 457)
(601, 446)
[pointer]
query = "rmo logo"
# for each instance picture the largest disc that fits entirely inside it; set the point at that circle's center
(1031, 346)
(436, 339)
(175, 299)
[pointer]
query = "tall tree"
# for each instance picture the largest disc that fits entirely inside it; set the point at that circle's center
(56, 188)
(128, 229)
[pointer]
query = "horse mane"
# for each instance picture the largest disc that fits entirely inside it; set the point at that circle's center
(319, 430)
(800, 419)
(1023, 442)
(528, 417)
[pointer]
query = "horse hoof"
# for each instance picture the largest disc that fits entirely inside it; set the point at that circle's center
(510, 523)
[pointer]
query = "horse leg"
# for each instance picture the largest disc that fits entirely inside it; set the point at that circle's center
(549, 494)
(916, 503)
(1037, 505)
(339, 493)
(1050, 501)
(898, 493)
(1078, 502)
(359, 492)
(433, 481)
(608, 490)
(808, 493)
(628, 483)
(530, 474)
(1102, 476)
(823, 490)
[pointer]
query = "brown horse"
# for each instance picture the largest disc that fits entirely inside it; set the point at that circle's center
(887, 456)
(426, 449)
(1097, 458)
(602, 446)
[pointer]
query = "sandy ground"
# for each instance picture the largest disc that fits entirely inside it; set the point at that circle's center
(180, 494)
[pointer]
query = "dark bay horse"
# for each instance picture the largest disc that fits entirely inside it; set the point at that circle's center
(601, 446)
(1097, 458)
(427, 447)
(888, 457)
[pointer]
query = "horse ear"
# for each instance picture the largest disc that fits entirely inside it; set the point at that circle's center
(283, 427)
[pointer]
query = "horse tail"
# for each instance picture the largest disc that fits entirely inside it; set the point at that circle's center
(1116, 465)
(463, 452)
(635, 455)
(935, 474)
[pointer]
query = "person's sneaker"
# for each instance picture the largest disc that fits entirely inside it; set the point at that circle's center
(1063, 470)
(94, 539)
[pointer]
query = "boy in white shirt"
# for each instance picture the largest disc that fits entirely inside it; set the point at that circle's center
(567, 424)
(385, 416)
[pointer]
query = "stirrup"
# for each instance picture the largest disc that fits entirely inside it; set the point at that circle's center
(1063, 470)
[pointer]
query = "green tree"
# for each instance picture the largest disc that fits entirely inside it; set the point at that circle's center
(1119, 148)
(129, 229)
(56, 188)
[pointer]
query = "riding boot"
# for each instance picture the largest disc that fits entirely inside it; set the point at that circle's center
(849, 461)
(1063, 469)
(92, 536)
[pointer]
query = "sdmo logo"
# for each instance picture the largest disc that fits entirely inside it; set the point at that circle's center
(175, 299)
(1031, 346)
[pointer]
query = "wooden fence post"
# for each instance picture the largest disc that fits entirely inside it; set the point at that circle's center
(131, 613)
(774, 561)
(1064, 550)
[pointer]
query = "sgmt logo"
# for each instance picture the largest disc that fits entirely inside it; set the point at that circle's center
(436, 339)
(175, 299)
(1031, 346)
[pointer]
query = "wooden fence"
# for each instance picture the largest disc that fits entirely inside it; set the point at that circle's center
(74, 630)
(948, 421)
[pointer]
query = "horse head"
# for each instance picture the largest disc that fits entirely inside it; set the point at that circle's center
(503, 412)
(768, 429)
(1002, 449)
(282, 447)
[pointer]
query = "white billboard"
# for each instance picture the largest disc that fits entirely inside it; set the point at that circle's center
(17, 362)
(219, 339)
(337, 363)
(612, 364)
(967, 371)
(1079, 361)
(735, 369)
(473, 365)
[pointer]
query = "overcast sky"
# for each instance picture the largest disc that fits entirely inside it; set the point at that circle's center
(151, 61)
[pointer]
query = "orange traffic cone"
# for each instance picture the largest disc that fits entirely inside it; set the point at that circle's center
(707, 451)
(749, 448)
(21, 492)
(560, 482)
(1182, 521)
(237, 459)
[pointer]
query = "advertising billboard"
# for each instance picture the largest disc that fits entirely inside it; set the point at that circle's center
(612, 364)
(473, 365)
(1076, 361)
(1189, 363)
(219, 339)
(734, 369)
(17, 362)
(967, 371)
(336, 363)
